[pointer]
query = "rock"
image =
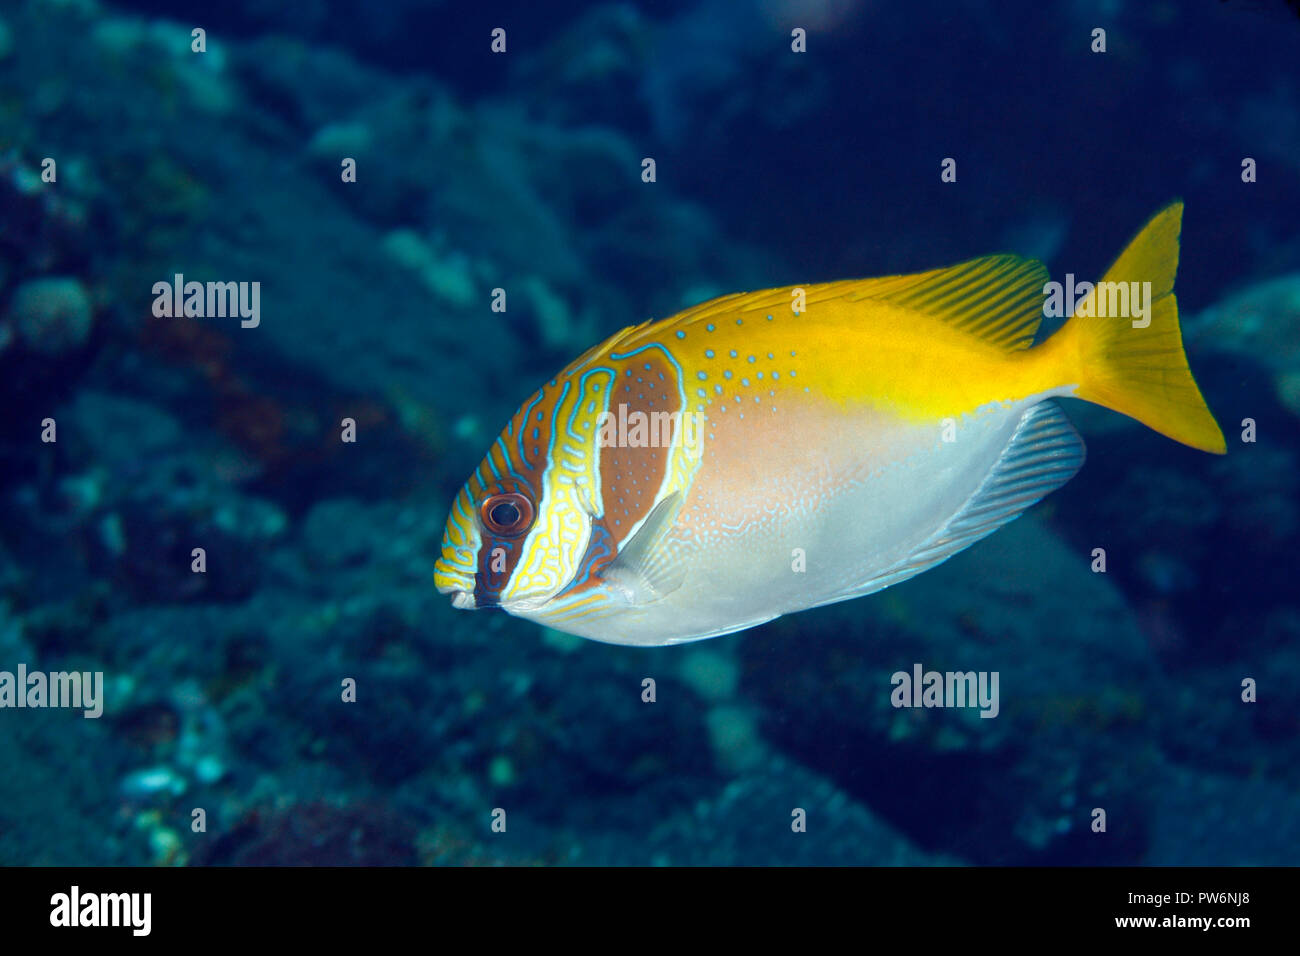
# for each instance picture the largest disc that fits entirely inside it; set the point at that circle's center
(340, 533)
(1073, 721)
(447, 277)
(1260, 323)
(1204, 819)
(51, 316)
(319, 833)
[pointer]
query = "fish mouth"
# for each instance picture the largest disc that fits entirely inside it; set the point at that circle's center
(462, 591)
(451, 581)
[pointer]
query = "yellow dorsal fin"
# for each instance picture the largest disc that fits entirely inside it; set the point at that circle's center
(997, 299)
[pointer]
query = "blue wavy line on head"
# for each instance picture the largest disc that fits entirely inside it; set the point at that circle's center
(523, 428)
(600, 545)
(681, 379)
(582, 389)
(555, 414)
(510, 465)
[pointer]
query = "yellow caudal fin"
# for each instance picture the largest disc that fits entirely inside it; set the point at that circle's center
(1126, 351)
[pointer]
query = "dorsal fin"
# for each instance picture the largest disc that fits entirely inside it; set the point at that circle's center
(997, 299)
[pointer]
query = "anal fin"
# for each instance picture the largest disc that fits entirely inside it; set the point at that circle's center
(1044, 453)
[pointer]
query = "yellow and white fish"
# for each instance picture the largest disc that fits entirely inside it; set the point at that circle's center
(758, 454)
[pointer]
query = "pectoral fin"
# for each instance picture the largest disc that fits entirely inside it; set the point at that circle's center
(646, 570)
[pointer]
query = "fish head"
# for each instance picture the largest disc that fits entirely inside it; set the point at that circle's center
(565, 514)
(519, 528)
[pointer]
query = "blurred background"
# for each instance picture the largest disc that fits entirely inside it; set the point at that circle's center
(522, 170)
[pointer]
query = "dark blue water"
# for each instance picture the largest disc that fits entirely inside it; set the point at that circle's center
(297, 692)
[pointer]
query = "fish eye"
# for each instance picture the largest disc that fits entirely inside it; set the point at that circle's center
(508, 515)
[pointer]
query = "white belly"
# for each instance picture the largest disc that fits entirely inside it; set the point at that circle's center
(795, 526)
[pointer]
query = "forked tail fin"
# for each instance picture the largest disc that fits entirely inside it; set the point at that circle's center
(1134, 362)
